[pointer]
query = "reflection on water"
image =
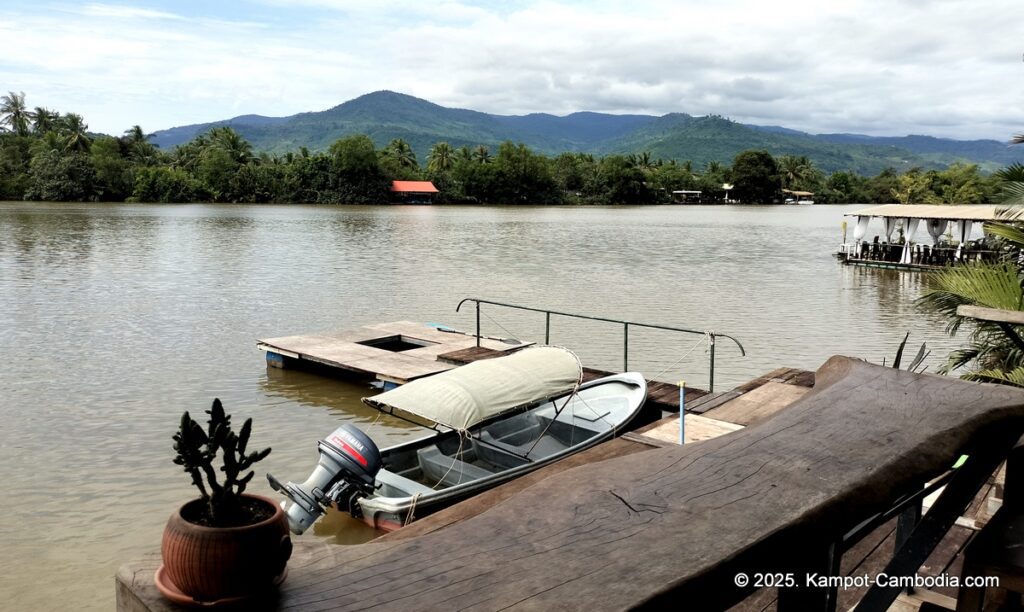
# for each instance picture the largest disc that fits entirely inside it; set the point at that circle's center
(341, 528)
(116, 318)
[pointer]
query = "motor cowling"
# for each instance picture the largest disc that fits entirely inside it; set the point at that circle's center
(347, 470)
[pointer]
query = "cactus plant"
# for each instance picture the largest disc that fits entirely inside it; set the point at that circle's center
(197, 450)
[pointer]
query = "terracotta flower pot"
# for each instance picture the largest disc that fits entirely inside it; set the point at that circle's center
(215, 564)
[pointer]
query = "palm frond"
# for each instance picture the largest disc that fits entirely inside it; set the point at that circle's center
(988, 285)
(1014, 173)
(1014, 192)
(1014, 377)
(1012, 234)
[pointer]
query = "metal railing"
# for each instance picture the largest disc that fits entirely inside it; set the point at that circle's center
(711, 336)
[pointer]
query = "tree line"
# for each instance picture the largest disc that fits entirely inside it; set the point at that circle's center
(45, 155)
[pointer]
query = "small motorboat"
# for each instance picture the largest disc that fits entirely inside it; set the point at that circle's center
(495, 419)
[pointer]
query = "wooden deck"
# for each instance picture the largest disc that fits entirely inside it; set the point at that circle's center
(630, 523)
(395, 352)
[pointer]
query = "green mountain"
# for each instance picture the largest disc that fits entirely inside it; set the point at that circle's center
(386, 115)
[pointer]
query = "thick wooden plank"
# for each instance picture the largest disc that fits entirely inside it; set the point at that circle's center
(711, 400)
(697, 429)
(469, 355)
(675, 524)
(996, 315)
(758, 404)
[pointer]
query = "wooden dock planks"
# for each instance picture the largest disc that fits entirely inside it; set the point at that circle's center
(346, 350)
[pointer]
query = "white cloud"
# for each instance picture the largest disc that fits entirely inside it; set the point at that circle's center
(874, 66)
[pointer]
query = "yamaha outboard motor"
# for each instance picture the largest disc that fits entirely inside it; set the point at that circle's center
(348, 466)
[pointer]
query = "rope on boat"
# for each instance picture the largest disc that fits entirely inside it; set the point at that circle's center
(463, 436)
(412, 509)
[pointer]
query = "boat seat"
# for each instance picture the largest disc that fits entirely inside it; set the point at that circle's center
(543, 448)
(437, 466)
(499, 453)
(401, 483)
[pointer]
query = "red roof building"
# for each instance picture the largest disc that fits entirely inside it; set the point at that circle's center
(413, 187)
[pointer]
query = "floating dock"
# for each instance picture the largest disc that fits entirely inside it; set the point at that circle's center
(400, 351)
(395, 352)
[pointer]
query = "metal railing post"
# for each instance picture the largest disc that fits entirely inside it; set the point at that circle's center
(712, 337)
(625, 347)
(711, 376)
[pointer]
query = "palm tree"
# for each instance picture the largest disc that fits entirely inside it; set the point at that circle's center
(45, 120)
(75, 132)
(644, 161)
(463, 154)
(136, 141)
(14, 114)
(796, 171)
(482, 154)
(441, 157)
(400, 151)
(232, 143)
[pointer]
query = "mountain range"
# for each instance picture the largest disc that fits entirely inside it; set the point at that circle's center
(386, 115)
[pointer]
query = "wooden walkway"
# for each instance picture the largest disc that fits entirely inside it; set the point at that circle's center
(627, 524)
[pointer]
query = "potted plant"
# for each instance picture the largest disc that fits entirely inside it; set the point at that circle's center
(225, 546)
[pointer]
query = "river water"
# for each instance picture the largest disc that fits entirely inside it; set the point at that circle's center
(116, 318)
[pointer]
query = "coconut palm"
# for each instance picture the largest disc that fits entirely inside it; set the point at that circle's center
(644, 161)
(482, 154)
(14, 113)
(463, 154)
(400, 151)
(137, 144)
(796, 171)
(44, 120)
(232, 143)
(75, 133)
(441, 157)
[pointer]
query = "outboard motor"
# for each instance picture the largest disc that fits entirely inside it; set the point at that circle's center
(348, 466)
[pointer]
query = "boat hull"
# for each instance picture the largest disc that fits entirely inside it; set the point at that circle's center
(609, 410)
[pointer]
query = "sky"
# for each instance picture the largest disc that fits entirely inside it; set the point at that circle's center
(949, 68)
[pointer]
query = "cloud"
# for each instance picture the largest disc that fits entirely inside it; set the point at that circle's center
(871, 66)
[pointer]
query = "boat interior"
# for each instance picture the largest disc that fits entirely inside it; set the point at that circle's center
(448, 460)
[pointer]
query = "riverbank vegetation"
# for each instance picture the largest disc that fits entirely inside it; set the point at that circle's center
(45, 155)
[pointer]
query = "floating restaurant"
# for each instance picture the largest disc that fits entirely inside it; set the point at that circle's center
(950, 229)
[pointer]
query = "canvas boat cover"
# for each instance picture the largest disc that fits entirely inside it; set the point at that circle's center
(473, 393)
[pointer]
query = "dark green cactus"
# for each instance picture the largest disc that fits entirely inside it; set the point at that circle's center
(197, 450)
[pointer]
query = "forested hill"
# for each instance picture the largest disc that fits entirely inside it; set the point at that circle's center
(387, 115)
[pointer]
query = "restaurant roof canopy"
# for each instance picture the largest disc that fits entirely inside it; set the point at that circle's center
(413, 187)
(932, 211)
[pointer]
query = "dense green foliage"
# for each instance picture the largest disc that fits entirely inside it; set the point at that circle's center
(48, 156)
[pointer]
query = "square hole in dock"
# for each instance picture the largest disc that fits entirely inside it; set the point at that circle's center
(396, 344)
